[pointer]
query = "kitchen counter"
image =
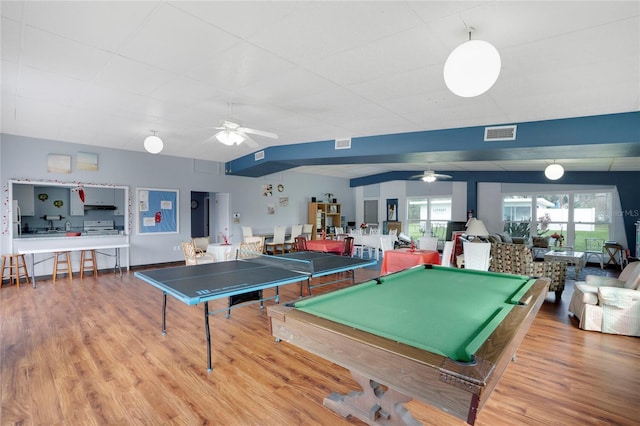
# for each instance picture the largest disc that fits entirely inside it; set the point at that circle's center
(60, 234)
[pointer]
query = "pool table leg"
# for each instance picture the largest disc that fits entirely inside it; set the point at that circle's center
(373, 405)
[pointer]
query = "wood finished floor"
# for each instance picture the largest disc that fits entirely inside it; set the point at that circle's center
(91, 352)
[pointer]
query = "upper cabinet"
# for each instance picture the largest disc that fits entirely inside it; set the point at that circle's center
(93, 196)
(99, 196)
(119, 202)
(25, 196)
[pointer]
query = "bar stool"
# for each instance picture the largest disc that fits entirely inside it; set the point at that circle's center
(17, 267)
(61, 264)
(88, 258)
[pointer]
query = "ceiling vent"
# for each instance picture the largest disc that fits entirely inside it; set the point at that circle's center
(500, 133)
(343, 143)
(258, 156)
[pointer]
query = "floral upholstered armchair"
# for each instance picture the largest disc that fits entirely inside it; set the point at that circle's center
(517, 259)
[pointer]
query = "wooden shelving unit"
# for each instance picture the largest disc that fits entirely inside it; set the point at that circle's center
(324, 215)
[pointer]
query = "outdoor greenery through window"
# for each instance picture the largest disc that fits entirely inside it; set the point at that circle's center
(428, 216)
(568, 218)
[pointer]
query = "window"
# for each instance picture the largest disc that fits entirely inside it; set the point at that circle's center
(592, 217)
(428, 216)
(573, 215)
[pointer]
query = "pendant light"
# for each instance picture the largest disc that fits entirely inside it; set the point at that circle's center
(472, 68)
(153, 144)
(554, 171)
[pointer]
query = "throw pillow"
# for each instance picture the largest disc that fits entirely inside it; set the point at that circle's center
(506, 238)
(540, 241)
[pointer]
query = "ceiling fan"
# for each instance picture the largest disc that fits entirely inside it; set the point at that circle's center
(231, 133)
(430, 176)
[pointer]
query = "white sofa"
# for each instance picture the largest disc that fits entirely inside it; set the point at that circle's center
(609, 305)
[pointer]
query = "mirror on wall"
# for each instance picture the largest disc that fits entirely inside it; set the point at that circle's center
(48, 208)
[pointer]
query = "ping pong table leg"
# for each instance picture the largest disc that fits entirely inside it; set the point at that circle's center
(208, 334)
(164, 313)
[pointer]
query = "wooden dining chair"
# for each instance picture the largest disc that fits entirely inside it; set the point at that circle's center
(347, 248)
(277, 245)
(300, 243)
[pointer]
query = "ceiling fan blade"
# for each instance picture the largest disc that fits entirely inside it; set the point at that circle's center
(440, 176)
(258, 132)
(250, 142)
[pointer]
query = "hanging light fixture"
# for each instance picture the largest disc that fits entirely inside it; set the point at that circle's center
(472, 68)
(229, 137)
(429, 178)
(554, 171)
(153, 144)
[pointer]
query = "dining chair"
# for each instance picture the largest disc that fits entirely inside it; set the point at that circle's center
(347, 248)
(300, 243)
(428, 243)
(256, 239)
(307, 230)
(386, 244)
(191, 257)
(476, 255)
(447, 251)
(296, 230)
(246, 232)
(201, 244)
(277, 245)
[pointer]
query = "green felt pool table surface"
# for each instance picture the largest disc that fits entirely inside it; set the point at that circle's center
(443, 310)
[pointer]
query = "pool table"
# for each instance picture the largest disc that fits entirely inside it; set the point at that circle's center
(443, 336)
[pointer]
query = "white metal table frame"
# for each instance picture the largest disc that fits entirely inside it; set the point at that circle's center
(33, 252)
(575, 258)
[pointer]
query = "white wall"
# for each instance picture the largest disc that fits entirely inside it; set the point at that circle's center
(26, 159)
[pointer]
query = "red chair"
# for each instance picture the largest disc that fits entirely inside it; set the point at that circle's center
(300, 243)
(347, 249)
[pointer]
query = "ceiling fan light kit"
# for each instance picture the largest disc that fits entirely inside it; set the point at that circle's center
(229, 137)
(153, 144)
(472, 68)
(429, 178)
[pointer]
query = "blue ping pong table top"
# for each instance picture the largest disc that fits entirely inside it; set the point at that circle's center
(199, 283)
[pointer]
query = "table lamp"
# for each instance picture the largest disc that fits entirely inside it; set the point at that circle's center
(476, 228)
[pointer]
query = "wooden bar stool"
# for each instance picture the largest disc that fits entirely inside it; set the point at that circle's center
(17, 267)
(62, 264)
(88, 258)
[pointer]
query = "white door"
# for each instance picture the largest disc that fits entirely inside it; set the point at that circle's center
(222, 216)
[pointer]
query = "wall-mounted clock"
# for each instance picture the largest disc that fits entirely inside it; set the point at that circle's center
(280, 188)
(194, 204)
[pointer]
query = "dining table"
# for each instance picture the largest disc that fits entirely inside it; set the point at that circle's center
(325, 246)
(222, 252)
(404, 258)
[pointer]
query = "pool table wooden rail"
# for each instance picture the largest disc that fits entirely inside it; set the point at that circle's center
(460, 390)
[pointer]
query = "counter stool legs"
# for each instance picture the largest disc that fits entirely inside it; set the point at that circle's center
(61, 264)
(86, 257)
(17, 267)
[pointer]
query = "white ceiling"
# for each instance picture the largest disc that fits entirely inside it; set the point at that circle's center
(107, 73)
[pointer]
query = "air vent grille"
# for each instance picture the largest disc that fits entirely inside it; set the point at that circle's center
(343, 143)
(258, 155)
(500, 133)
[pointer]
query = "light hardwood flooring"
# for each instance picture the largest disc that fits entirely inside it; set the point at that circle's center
(91, 352)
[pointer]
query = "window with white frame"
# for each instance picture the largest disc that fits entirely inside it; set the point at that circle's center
(569, 217)
(428, 216)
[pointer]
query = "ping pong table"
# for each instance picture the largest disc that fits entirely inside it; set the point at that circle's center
(206, 282)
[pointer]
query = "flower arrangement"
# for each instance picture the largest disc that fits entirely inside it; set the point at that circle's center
(558, 237)
(225, 238)
(363, 226)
